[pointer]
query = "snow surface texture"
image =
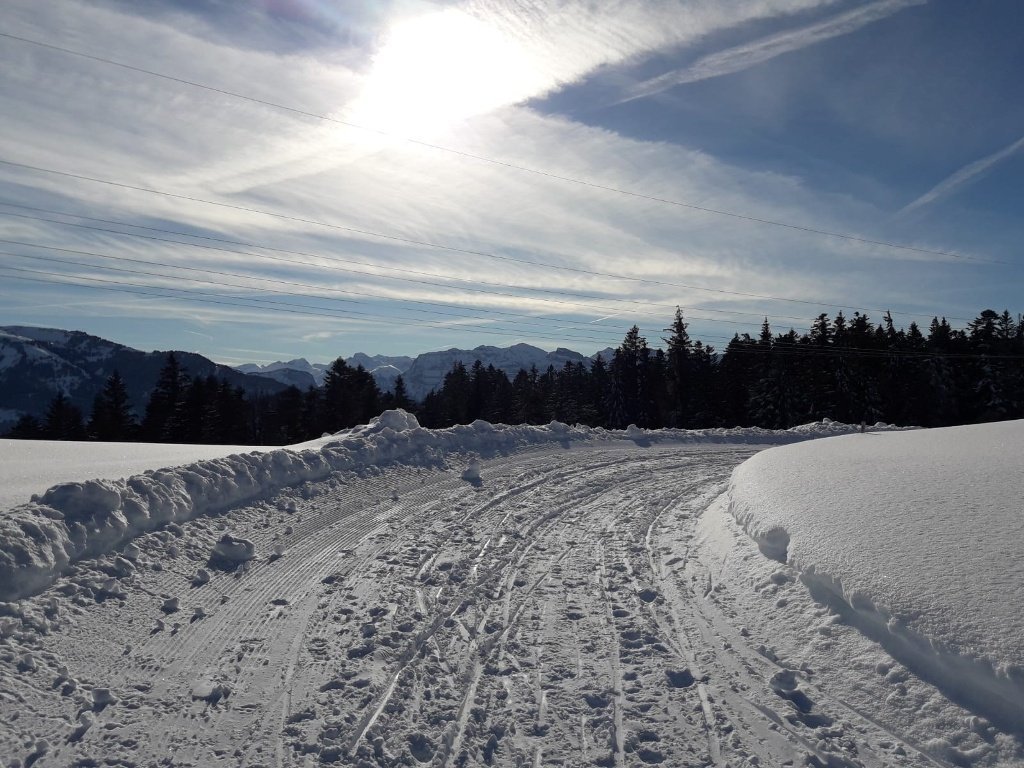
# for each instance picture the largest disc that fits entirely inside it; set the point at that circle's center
(582, 601)
(32, 466)
(915, 539)
(73, 520)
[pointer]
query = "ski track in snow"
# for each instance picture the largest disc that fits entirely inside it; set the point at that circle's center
(592, 605)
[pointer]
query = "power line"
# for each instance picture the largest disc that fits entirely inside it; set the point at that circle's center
(809, 350)
(454, 249)
(566, 324)
(778, 348)
(469, 283)
(503, 163)
(264, 304)
(370, 315)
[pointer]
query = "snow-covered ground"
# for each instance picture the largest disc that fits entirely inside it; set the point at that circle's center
(913, 537)
(484, 595)
(32, 466)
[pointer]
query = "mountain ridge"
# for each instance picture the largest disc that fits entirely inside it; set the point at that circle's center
(37, 363)
(426, 371)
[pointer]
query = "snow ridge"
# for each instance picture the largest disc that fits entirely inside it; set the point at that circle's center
(996, 694)
(71, 521)
(910, 539)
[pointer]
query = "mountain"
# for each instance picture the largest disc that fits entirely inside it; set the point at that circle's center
(298, 373)
(304, 374)
(371, 363)
(36, 363)
(426, 371)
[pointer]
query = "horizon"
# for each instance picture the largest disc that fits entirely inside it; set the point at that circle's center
(279, 181)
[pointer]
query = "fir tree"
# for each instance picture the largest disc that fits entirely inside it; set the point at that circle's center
(400, 397)
(680, 371)
(63, 420)
(160, 421)
(112, 418)
(27, 427)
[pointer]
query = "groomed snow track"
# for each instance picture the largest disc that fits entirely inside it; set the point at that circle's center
(570, 608)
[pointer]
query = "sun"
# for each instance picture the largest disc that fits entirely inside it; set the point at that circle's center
(437, 69)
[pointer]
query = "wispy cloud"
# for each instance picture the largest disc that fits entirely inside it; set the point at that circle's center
(92, 120)
(759, 51)
(966, 175)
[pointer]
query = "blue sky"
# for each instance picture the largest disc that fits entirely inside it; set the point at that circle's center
(269, 234)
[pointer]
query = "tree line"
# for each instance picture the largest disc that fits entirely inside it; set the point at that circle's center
(846, 369)
(208, 410)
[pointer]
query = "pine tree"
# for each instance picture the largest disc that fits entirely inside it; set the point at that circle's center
(680, 372)
(27, 427)
(400, 397)
(63, 420)
(112, 418)
(629, 372)
(350, 396)
(159, 422)
(598, 382)
(456, 392)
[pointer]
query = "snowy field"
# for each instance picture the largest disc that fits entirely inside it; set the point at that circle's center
(514, 596)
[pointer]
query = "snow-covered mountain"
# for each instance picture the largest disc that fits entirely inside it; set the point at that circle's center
(426, 371)
(298, 373)
(429, 369)
(374, 362)
(304, 374)
(36, 363)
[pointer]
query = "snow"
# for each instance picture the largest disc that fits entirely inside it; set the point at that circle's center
(32, 466)
(49, 335)
(521, 595)
(914, 537)
(76, 519)
(9, 356)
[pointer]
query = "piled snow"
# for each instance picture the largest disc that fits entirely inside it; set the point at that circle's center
(913, 538)
(80, 519)
(32, 466)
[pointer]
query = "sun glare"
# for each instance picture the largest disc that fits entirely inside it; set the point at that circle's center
(436, 69)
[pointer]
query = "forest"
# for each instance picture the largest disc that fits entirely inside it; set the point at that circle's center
(846, 369)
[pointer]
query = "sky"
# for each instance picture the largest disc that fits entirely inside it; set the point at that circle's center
(312, 178)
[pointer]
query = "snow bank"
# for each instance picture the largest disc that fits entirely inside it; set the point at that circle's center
(913, 538)
(32, 466)
(80, 519)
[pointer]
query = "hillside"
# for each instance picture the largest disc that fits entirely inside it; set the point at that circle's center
(36, 363)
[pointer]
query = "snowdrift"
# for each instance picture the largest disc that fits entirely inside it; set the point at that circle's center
(914, 539)
(32, 466)
(74, 520)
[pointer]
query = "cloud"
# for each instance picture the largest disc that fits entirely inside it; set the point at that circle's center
(966, 175)
(91, 119)
(759, 51)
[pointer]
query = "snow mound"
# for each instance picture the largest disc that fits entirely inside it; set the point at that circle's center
(71, 521)
(230, 551)
(914, 539)
(398, 420)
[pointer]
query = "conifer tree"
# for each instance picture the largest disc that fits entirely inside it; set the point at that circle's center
(159, 423)
(63, 420)
(112, 418)
(680, 371)
(27, 427)
(400, 397)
